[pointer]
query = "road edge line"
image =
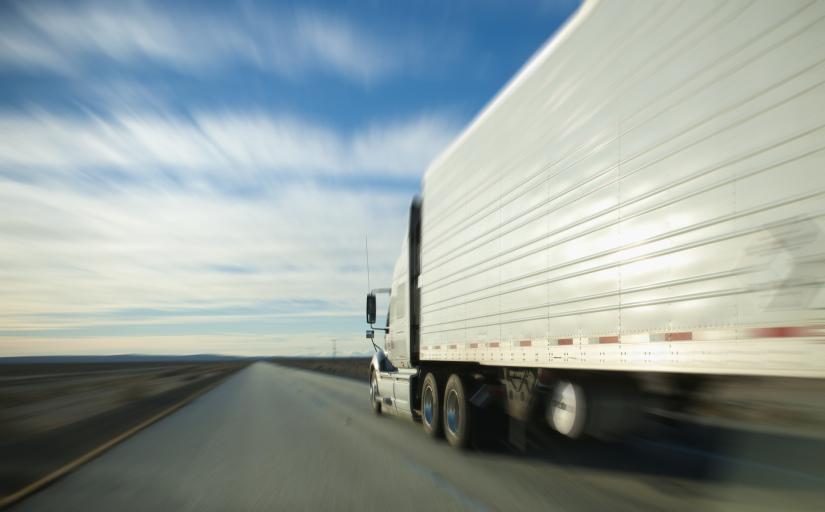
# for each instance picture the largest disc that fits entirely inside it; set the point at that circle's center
(62, 471)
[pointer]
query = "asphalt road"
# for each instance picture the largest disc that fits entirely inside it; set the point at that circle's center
(272, 438)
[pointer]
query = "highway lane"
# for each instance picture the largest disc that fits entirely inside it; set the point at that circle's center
(272, 438)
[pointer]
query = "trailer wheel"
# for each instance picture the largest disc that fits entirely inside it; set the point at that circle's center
(567, 409)
(456, 413)
(431, 406)
(375, 400)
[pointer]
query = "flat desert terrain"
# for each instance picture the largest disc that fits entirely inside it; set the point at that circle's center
(52, 413)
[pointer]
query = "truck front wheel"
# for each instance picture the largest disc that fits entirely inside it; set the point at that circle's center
(375, 398)
(431, 406)
(456, 413)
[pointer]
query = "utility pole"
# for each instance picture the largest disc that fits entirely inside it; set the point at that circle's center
(333, 347)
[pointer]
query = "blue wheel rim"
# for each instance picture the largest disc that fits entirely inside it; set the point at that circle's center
(452, 412)
(428, 405)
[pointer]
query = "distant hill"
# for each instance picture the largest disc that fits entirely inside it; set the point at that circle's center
(120, 358)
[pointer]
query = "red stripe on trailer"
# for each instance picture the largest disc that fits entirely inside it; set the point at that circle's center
(525, 343)
(473, 345)
(452, 347)
(493, 344)
(565, 341)
(779, 332)
(678, 336)
(608, 339)
(436, 347)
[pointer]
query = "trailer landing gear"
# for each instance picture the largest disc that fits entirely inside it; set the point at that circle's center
(520, 386)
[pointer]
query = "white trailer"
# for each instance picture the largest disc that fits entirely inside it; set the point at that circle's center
(647, 195)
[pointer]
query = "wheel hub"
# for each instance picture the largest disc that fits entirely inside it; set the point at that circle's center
(566, 409)
(453, 414)
(428, 405)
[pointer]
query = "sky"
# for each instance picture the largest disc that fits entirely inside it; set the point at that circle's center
(199, 177)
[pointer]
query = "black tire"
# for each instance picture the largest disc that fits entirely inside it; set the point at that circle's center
(431, 407)
(375, 399)
(457, 413)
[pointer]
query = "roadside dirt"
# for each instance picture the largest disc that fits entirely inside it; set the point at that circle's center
(352, 367)
(52, 414)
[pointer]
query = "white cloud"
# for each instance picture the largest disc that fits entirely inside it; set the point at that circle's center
(251, 143)
(402, 147)
(310, 343)
(80, 247)
(64, 38)
(335, 44)
(89, 255)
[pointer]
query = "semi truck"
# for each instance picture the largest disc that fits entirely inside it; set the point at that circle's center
(644, 199)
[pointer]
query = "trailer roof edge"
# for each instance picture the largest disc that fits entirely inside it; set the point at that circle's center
(523, 74)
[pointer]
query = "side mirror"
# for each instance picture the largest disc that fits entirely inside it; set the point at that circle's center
(370, 334)
(370, 309)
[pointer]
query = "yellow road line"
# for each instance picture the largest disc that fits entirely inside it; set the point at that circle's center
(71, 466)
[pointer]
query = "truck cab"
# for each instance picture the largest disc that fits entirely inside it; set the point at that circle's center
(393, 375)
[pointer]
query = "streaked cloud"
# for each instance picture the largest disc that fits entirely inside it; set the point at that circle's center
(142, 262)
(72, 39)
(84, 251)
(240, 344)
(219, 143)
(200, 177)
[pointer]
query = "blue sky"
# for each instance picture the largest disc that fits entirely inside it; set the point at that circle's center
(198, 177)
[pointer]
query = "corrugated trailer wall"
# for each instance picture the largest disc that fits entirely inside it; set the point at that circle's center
(655, 176)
